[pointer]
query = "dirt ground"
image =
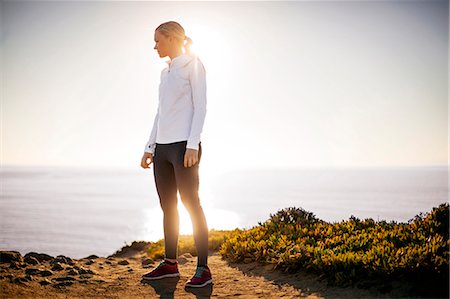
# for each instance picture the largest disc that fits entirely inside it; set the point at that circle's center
(120, 277)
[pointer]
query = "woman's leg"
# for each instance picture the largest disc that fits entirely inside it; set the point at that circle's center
(167, 190)
(188, 183)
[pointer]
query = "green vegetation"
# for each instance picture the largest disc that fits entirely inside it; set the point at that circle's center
(186, 244)
(363, 253)
(351, 252)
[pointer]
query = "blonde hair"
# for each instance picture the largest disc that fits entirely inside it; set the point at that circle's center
(175, 30)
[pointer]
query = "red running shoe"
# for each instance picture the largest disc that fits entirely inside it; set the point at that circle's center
(201, 278)
(162, 270)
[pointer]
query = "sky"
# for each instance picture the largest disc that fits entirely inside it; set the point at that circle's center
(289, 84)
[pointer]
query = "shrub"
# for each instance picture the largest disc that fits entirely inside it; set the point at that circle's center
(352, 251)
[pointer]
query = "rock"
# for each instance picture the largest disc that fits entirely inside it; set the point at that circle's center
(44, 273)
(15, 265)
(44, 282)
(28, 277)
(108, 262)
(123, 262)
(41, 257)
(146, 263)
(135, 248)
(63, 284)
(69, 261)
(19, 280)
(83, 271)
(90, 262)
(31, 260)
(59, 259)
(32, 271)
(65, 278)
(57, 267)
(86, 271)
(182, 260)
(91, 257)
(186, 255)
(130, 270)
(10, 256)
(63, 260)
(73, 272)
(86, 276)
(8, 276)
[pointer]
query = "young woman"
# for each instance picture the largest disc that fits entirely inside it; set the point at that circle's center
(174, 148)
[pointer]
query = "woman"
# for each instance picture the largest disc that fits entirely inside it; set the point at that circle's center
(174, 148)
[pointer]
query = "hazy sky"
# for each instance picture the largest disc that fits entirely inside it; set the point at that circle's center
(289, 83)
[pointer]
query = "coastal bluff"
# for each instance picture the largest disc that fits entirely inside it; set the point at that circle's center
(39, 275)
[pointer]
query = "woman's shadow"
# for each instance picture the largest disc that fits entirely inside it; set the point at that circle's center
(166, 287)
(201, 293)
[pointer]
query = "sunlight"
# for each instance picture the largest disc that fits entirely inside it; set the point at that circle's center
(185, 220)
(153, 226)
(212, 48)
(218, 219)
(207, 42)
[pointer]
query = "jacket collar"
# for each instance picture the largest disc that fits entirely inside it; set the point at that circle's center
(180, 61)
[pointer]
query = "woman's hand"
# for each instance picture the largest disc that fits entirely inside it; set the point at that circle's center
(147, 159)
(190, 157)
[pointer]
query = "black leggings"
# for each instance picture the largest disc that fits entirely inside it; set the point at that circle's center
(171, 176)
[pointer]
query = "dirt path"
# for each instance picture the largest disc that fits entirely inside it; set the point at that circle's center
(121, 278)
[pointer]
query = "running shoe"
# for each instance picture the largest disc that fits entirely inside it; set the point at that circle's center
(201, 278)
(163, 270)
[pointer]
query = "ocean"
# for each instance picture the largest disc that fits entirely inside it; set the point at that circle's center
(82, 211)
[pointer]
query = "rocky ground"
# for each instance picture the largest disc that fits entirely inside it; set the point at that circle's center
(119, 276)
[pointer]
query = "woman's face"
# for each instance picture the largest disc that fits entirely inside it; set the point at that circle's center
(162, 44)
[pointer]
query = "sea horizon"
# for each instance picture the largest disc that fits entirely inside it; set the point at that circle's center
(78, 211)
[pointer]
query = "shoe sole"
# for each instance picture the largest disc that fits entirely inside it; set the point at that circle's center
(162, 276)
(199, 285)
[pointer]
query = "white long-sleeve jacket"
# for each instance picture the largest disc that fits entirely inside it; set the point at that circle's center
(182, 103)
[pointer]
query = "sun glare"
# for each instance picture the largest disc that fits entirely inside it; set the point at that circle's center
(216, 218)
(210, 46)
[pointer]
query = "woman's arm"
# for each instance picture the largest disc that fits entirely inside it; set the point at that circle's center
(149, 149)
(151, 143)
(197, 78)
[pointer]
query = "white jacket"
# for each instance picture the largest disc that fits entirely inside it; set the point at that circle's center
(182, 103)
